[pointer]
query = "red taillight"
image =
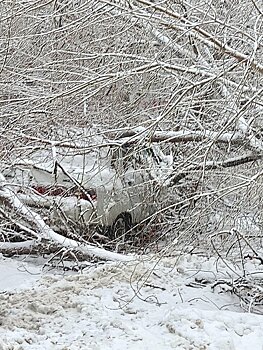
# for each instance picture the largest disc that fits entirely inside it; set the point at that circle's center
(65, 192)
(88, 194)
(51, 190)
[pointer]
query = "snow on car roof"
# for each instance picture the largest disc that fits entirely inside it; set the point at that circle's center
(85, 154)
(82, 153)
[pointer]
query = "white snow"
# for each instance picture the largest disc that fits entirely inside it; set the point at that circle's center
(16, 275)
(149, 304)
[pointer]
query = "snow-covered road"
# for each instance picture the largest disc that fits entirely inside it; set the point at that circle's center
(151, 304)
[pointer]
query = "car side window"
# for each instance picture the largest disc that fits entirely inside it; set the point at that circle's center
(131, 158)
(122, 158)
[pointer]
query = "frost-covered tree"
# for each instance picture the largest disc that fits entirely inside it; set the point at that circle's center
(183, 73)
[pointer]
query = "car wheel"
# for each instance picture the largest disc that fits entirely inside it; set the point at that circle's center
(121, 225)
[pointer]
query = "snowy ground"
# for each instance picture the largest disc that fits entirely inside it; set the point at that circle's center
(151, 304)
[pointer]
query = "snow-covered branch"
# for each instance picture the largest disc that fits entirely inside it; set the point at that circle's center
(210, 165)
(136, 134)
(204, 35)
(43, 231)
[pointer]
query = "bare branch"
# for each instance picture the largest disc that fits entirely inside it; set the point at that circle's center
(206, 36)
(211, 165)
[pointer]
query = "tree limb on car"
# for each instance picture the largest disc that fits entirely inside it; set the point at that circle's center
(136, 134)
(43, 231)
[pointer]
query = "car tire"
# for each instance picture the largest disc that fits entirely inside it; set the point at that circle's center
(121, 226)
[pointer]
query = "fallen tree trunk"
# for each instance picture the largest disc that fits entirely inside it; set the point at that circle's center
(43, 231)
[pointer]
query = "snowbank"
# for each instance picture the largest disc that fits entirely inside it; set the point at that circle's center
(145, 305)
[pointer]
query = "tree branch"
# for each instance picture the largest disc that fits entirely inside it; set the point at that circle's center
(211, 165)
(205, 36)
(136, 134)
(46, 232)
